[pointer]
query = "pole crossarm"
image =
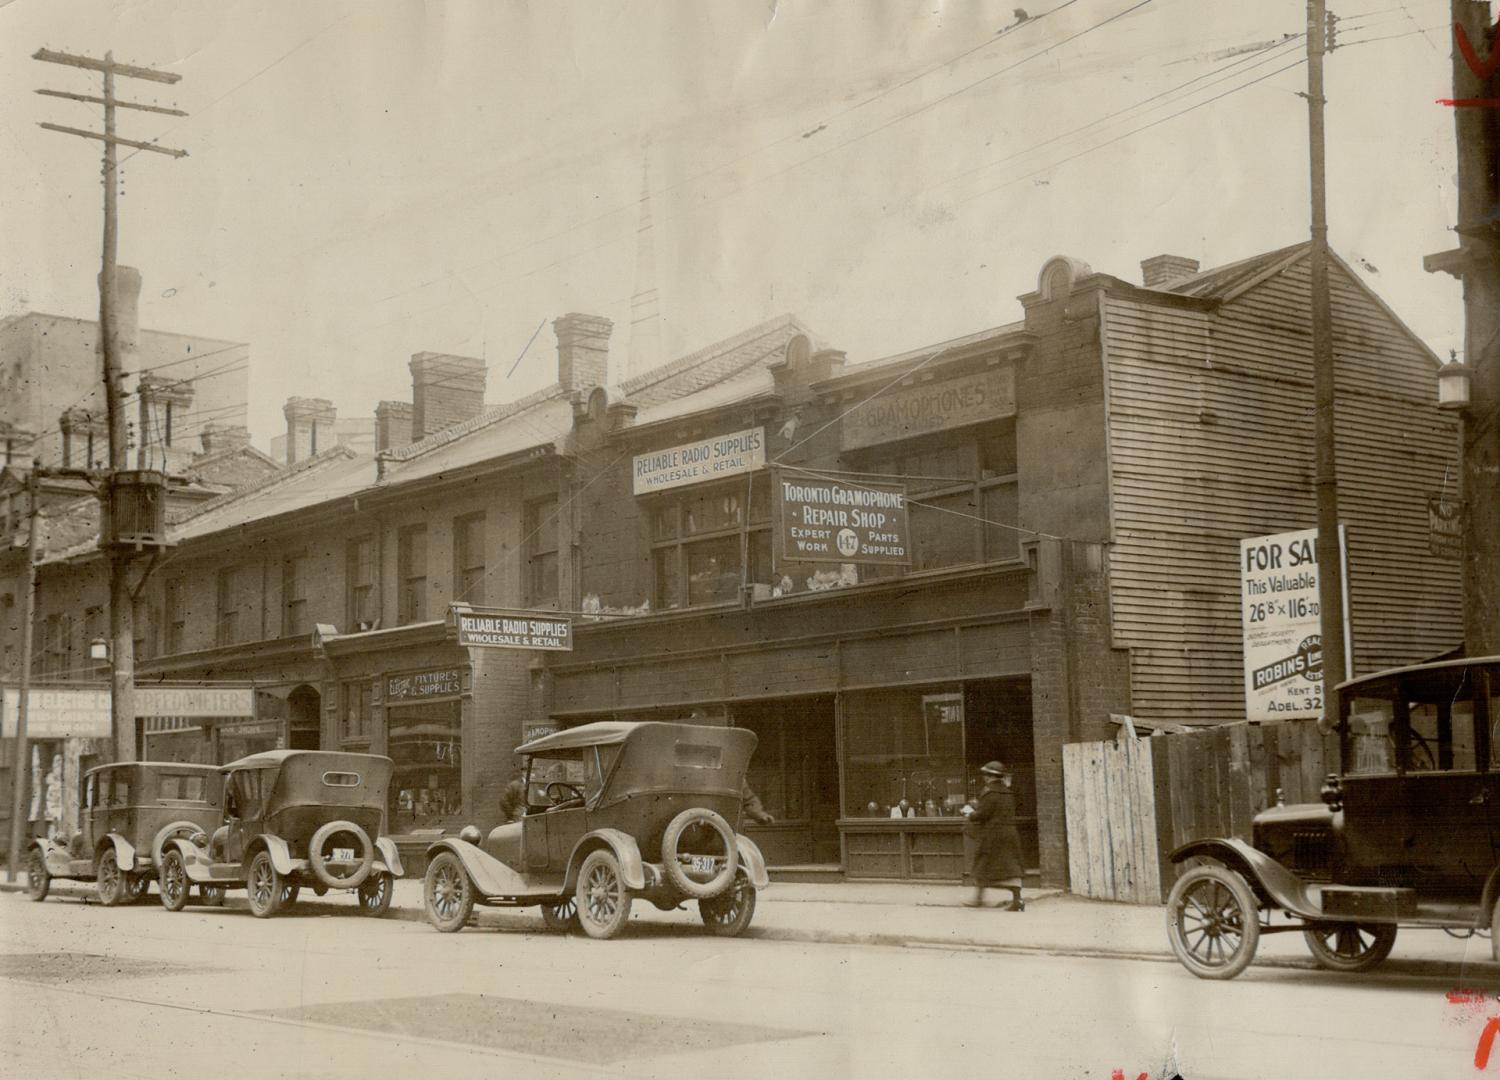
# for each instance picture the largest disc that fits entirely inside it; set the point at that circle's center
(114, 139)
(130, 71)
(110, 101)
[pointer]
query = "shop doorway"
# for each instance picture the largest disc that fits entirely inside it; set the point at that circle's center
(795, 772)
(304, 707)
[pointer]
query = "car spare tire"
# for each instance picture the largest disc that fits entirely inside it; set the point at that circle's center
(679, 864)
(319, 848)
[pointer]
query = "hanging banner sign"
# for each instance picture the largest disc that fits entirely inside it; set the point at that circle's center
(1282, 626)
(515, 630)
(57, 714)
(708, 459)
(841, 521)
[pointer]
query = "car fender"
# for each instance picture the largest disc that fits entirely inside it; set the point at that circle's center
(632, 866)
(385, 849)
(195, 860)
(57, 857)
(490, 876)
(752, 860)
(124, 851)
(281, 853)
(1270, 880)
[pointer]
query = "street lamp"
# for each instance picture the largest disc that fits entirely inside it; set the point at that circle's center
(99, 650)
(1453, 384)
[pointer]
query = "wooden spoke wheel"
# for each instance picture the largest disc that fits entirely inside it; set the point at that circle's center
(375, 894)
(264, 887)
(447, 893)
(1213, 922)
(602, 897)
(1350, 946)
(175, 884)
(562, 916)
(38, 881)
(109, 879)
(729, 913)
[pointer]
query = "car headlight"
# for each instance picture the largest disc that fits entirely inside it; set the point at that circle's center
(469, 833)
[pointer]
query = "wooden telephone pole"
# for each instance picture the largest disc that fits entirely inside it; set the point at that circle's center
(21, 769)
(112, 344)
(1330, 564)
(1476, 262)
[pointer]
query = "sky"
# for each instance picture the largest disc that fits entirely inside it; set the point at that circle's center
(368, 180)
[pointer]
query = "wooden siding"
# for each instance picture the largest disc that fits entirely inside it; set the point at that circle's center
(1211, 441)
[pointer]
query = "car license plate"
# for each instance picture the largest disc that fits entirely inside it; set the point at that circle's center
(343, 854)
(703, 864)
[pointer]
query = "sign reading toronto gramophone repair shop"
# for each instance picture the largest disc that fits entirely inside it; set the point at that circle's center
(822, 519)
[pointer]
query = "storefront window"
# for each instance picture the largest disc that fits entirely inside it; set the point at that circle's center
(905, 753)
(424, 742)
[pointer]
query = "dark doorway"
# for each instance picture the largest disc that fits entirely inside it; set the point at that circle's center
(795, 773)
(997, 727)
(304, 707)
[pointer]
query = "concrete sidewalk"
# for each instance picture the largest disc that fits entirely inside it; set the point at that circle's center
(929, 917)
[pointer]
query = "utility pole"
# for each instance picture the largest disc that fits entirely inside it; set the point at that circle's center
(21, 769)
(1330, 564)
(1476, 262)
(121, 614)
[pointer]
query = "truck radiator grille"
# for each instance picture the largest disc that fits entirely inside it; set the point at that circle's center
(1310, 852)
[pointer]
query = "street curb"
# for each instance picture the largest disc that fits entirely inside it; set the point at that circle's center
(489, 919)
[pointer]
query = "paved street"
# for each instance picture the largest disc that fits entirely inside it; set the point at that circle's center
(322, 992)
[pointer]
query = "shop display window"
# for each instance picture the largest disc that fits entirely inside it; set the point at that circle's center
(904, 753)
(425, 744)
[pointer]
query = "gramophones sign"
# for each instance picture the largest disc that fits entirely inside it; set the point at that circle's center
(514, 630)
(842, 521)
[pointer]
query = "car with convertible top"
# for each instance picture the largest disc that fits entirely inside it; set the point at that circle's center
(615, 811)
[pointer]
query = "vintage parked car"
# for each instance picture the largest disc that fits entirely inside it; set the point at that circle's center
(614, 811)
(1404, 835)
(128, 812)
(291, 818)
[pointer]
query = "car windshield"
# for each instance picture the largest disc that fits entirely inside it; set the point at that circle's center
(583, 768)
(1425, 722)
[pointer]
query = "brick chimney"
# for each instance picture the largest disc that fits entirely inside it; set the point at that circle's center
(309, 427)
(216, 436)
(393, 425)
(445, 390)
(582, 351)
(1160, 270)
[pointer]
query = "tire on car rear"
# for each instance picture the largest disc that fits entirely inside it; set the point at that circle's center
(375, 894)
(318, 860)
(447, 893)
(38, 881)
(729, 913)
(602, 895)
(672, 857)
(263, 886)
(109, 879)
(174, 883)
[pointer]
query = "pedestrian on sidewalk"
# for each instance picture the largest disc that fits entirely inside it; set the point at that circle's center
(997, 852)
(755, 810)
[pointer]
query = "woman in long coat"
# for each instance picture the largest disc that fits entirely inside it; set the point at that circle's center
(997, 854)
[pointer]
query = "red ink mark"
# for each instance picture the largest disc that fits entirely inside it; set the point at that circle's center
(1470, 102)
(1486, 1040)
(1119, 1074)
(1467, 997)
(1482, 69)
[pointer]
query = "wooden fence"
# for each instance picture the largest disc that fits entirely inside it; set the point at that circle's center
(1129, 804)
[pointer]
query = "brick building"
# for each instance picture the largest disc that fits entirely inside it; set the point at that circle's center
(1075, 482)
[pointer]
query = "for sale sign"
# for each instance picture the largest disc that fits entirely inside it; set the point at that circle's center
(1282, 625)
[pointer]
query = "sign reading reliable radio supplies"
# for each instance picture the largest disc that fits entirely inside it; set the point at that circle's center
(1282, 626)
(836, 521)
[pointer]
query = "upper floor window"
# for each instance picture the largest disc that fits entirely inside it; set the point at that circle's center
(468, 558)
(294, 574)
(700, 541)
(411, 570)
(360, 575)
(227, 626)
(541, 552)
